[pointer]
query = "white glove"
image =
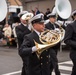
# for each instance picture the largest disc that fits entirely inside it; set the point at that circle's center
(58, 30)
(34, 49)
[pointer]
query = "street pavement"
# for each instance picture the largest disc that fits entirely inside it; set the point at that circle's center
(11, 63)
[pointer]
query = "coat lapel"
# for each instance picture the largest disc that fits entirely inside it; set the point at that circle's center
(36, 37)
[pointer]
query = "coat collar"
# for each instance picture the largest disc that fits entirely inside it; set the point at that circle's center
(36, 37)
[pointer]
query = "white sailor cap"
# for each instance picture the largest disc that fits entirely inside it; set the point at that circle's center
(21, 13)
(37, 18)
(27, 16)
(74, 13)
(51, 15)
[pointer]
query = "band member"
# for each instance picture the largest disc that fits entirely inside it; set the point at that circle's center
(70, 39)
(35, 65)
(21, 31)
(54, 50)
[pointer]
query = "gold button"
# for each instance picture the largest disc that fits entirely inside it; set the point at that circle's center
(41, 57)
(41, 63)
(47, 56)
(47, 62)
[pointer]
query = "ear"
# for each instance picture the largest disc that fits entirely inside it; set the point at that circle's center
(33, 25)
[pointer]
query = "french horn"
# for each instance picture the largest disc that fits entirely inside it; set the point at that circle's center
(48, 38)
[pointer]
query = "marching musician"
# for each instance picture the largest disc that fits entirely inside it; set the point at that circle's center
(70, 39)
(21, 31)
(54, 50)
(35, 65)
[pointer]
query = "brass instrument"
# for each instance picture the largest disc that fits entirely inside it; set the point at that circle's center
(62, 31)
(48, 38)
(3, 10)
(63, 8)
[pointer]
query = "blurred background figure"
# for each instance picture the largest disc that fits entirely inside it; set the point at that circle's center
(22, 30)
(1, 35)
(14, 33)
(54, 50)
(37, 11)
(32, 11)
(7, 34)
(46, 13)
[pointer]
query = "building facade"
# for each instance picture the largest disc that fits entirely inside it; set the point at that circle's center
(14, 5)
(44, 4)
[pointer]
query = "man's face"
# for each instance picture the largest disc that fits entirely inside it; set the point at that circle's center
(39, 26)
(52, 19)
(23, 21)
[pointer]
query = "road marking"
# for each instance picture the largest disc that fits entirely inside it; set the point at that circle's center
(67, 62)
(65, 68)
(12, 73)
(61, 74)
(61, 67)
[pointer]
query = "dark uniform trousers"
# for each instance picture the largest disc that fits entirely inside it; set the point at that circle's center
(54, 62)
(53, 51)
(21, 31)
(73, 58)
(70, 39)
(35, 65)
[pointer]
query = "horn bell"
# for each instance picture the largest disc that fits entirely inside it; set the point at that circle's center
(3, 10)
(63, 8)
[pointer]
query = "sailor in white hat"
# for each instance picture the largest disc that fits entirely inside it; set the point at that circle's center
(52, 19)
(54, 50)
(22, 30)
(36, 65)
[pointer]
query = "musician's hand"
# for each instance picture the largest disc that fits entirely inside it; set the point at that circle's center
(58, 30)
(34, 49)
